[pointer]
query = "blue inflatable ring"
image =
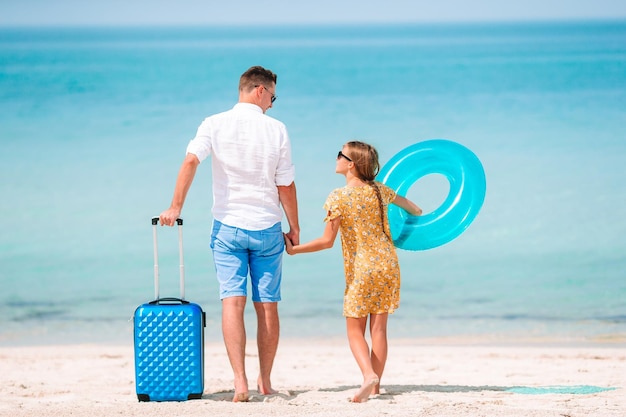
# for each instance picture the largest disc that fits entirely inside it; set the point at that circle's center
(467, 192)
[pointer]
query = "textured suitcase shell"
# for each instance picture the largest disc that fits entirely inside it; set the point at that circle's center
(169, 353)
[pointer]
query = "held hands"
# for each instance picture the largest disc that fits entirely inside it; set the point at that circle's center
(288, 245)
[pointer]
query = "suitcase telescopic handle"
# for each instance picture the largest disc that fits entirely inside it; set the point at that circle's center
(155, 222)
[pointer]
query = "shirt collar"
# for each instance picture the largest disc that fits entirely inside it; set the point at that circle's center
(248, 106)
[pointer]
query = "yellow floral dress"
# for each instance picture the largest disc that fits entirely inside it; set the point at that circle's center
(370, 260)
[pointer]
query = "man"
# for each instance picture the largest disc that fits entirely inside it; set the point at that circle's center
(252, 177)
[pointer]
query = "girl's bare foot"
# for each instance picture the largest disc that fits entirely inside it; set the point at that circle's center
(364, 392)
(376, 390)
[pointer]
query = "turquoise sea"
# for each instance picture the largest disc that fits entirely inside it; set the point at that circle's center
(94, 125)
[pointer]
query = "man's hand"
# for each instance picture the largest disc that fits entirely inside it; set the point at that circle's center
(293, 236)
(169, 216)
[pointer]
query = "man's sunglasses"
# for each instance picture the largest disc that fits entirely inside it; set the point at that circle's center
(273, 96)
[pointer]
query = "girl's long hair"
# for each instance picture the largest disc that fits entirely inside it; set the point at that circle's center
(365, 159)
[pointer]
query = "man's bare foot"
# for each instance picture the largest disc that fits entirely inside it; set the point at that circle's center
(241, 390)
(364, 392)
(265, 389)
(241, 397)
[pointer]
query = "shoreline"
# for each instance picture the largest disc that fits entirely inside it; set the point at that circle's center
(316, 378)
(215, 336)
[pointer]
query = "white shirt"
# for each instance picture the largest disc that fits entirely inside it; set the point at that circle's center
(251, 156)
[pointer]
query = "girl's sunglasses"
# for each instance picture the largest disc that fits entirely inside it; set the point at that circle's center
(342, 155)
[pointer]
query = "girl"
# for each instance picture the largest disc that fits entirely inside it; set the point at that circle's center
(371, 267)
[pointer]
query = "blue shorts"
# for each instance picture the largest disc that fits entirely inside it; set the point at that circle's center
(238, 251)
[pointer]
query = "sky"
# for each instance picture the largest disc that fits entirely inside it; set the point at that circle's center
(271, 12)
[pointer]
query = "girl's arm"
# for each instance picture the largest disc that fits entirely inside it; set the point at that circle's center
(407, 205)
(324, 242)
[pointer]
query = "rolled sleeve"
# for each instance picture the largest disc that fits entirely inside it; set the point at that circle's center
(285, 171)
(200, 145)
(286, 176)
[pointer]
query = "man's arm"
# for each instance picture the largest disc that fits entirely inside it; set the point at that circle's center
(289, 201)
(185, 177)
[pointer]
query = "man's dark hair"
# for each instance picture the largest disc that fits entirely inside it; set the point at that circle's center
(256, 76)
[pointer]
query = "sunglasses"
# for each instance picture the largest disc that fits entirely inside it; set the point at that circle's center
(273, 96)
(342, 155)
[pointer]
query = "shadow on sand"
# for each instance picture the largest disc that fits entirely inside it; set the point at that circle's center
(392, 390)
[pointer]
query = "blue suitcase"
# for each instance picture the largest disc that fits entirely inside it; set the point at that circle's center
(169, 341)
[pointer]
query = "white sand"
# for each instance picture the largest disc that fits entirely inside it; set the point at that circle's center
(316, 378)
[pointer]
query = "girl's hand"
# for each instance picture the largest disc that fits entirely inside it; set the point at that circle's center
(407, 205)
(288, 245)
